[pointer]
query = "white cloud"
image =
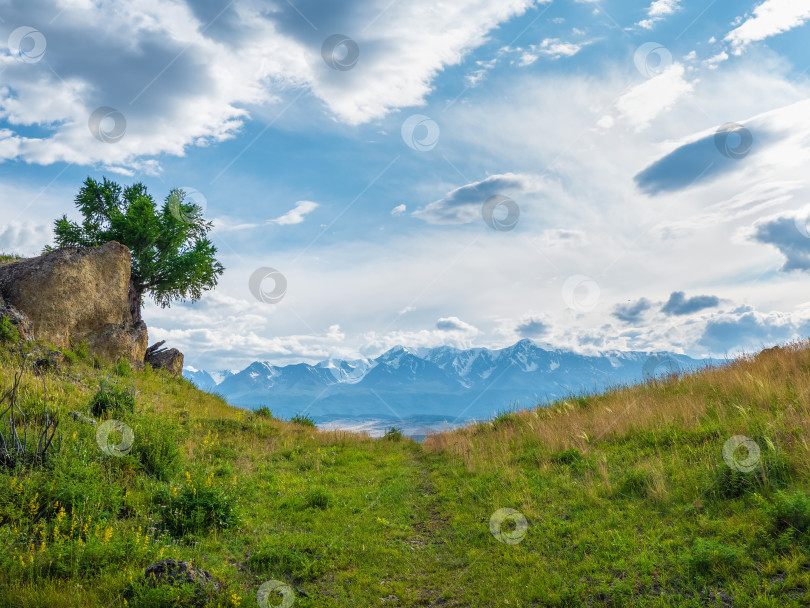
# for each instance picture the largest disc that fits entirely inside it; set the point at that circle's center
(399, 209)
(661, 8)
(645, 101)
(296, 214)
(555, 48)
(454, 324)
(713, 62)
(657, 11)
(183, 76)
(463, 205)
(770, 18)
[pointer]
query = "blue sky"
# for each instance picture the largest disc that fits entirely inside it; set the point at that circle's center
(653, 157)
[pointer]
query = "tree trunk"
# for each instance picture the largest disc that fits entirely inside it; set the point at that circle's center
(135, 299)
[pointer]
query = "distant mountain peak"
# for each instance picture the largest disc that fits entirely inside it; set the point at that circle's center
(446, 381)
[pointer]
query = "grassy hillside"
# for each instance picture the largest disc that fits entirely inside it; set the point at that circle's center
(626, 496)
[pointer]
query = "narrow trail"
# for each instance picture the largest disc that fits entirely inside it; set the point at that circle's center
(429, 544)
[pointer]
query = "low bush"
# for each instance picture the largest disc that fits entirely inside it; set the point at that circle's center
(303, 420)
(318, 498)
(635, 483)
(393, 434)
(790, 512)
(196, 509)
(156, 447)
(712, 559)
(8, 331)
(112, 400)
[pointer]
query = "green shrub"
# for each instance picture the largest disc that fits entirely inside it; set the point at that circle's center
(790, 511)
(112, 399)
(196, 509)
(279, 560)
(567, 457)
(80, 350)
(263, 411)
(393, 434)
(502, 419)
(303, 420)
(773, 471)
(318, 498)
(123, 368)
(8, 331)
(156, 447)
(712, 559)
(635, 482)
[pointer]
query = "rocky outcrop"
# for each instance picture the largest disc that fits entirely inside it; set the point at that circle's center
(74, 294)
(175, 572)
(18, 319)
(169, 359)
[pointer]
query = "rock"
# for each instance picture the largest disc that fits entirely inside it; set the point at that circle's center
(47, 360)
(169, 359)
(75, 294)
(18, 318)
(82, 417)
(174, 572)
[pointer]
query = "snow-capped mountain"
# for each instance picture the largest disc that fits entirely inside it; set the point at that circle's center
(444, 382)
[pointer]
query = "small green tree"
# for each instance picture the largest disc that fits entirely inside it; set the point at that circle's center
(172, 257)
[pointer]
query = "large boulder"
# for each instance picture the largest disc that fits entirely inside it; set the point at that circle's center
(75, 294)
(18, 319)
(169, 359)
(175, 573)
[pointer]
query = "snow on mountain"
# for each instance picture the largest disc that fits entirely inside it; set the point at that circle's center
(442, 382)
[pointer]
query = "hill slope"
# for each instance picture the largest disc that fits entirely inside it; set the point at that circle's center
(622, 499)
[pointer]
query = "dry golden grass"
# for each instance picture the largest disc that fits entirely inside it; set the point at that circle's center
(773, 385)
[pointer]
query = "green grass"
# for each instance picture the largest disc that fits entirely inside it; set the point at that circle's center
(626, 496)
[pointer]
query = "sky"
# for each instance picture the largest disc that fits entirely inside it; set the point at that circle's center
(591, 175)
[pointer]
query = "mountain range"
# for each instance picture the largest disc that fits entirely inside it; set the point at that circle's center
(442, 383)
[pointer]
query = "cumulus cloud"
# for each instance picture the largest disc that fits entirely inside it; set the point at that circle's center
(463, 205)
(647, 100)
(398, 210)
(749, 330)
(296, 214)
(455, 324)
(785, 233)
(25, 238)
(631, 312)
(657, 11)
(769, 18)
(181, 74)
(531, 327)
(678, 304)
